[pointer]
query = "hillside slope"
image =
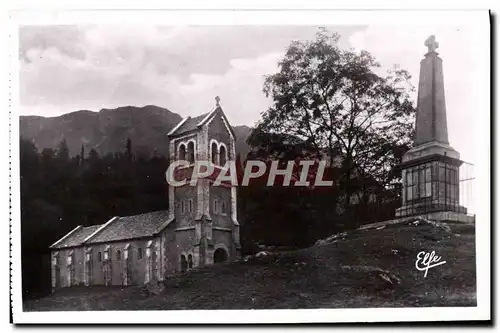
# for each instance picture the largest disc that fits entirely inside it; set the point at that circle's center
(363, 268)
(107, 130)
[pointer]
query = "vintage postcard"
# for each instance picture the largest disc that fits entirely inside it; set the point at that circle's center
(178, 166)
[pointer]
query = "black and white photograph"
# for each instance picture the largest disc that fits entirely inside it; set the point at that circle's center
(168, 166)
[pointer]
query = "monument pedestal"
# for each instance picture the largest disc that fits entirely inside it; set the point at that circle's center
(431, 182)
(430, 174)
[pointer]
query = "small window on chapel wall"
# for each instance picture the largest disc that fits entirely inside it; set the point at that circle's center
(99, 256)
(118, 255)
(139, 253)
(223, 208)
(215, 208)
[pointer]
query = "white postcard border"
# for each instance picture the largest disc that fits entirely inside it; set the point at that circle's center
(482, 122)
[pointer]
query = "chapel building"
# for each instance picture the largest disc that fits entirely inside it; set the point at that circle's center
(200, 227)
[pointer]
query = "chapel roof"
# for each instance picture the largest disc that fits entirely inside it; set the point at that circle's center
(191, 123)
(77, 237)
(131, 227)
(118, 228)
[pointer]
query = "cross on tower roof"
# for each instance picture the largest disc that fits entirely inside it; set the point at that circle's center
(217, 100)
(431, 43)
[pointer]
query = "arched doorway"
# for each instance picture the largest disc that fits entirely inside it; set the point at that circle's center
(57, 272)
(184, 264)
(88, 267)
(220, 255)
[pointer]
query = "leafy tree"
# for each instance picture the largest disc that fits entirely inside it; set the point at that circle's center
(47, 155)
(82, 154)
(93, 155)
(62, 152)
(334, 100)
(29, 159)
(128, 149)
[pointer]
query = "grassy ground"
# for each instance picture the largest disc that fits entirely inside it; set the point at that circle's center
(365, 268)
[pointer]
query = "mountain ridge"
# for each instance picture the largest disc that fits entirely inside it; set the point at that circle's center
(107, 130)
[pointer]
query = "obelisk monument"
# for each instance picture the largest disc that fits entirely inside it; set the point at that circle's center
(430, 170)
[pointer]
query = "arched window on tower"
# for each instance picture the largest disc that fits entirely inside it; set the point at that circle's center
(190, 261)
(223, 155)
(190, 152)
(182, 152)
(214, 153)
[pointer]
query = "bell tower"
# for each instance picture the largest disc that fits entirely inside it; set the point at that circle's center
(430, 170)
(206, 225)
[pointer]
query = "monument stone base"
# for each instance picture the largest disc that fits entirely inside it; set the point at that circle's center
(429, 207)
(442, 216)
(446, 217)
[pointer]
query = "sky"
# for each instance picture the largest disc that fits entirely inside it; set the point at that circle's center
(64, 68)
